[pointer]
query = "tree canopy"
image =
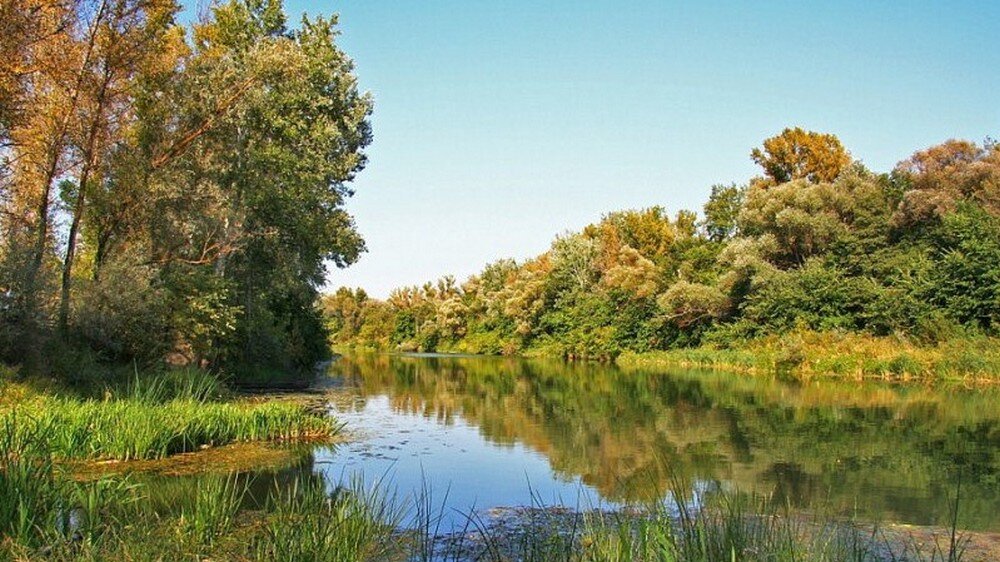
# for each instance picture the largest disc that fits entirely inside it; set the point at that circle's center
(819, 243)
(169, 192)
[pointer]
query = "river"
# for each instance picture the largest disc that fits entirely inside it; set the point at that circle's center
(482, 433)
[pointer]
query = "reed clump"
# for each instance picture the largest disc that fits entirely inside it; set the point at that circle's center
(156, 416)
(310, 524)
(134, 429)
(729, 526)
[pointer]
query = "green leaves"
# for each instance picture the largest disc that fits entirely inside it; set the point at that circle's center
(817, 245)
(966, 281)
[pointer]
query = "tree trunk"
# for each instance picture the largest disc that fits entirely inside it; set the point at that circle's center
(90, 161)
(52, 167)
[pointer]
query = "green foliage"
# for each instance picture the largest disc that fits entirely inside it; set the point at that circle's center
(207, 204)
(966, 279)
(212, 514)
(39, 504)
(803, 354)
(309, 524)
(124, 314)
(141, 428)
(722, 211)
(817, 246)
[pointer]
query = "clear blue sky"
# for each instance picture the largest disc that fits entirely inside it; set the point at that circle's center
(501, 124)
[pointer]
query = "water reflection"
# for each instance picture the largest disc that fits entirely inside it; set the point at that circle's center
(486, 427)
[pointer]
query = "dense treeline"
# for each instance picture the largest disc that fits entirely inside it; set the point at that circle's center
(818, 242)
(168, 192)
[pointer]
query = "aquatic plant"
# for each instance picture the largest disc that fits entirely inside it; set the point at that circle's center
(30, 493)
(353, 524)
(809, 354)
(42, 505)
(729, 527)
(213, 512)
(191, 384)
(138, 429)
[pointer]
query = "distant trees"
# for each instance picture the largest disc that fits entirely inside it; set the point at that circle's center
(722, 212)
(171, 194)
(820, 243)
(796, 154)
(941, 177)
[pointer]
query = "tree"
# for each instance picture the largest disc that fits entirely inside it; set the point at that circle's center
(798, 154)
(942, 176)
(803, 218)
(51, 51)
(722, 211)
(205, 178)
(965, 281)
(131, 38)
(692, 305)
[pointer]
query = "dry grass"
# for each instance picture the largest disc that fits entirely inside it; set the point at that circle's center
(807, 355)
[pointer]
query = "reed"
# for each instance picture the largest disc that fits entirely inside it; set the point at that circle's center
(308, 523)
(352, 524)
(213, 512)
(31, 495)
(728, 526)
(133, 429)
(40, 505)
(189, 384)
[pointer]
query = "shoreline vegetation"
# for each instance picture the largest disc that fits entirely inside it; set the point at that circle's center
(807, 355)
(814, 355)
(56, 504)
(150, 417)
(173, 196)
(819, 267)
(46, 516)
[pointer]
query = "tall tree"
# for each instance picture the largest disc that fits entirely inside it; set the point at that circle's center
(799, 154)
(129, 39)
(43, 81)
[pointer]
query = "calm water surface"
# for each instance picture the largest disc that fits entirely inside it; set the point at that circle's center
(482, 433)
(497, 432)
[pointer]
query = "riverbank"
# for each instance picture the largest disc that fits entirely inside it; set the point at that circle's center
(197, 506)
(113, 519)
(76, 461)
(801, 355)
(151, 417)
(809, 355)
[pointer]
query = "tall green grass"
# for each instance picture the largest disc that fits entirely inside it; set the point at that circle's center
(354, 524)
(40, 505)
(195, 385)
(30, 493)
(44, 514)
(213, 512)
(308, 523)
(153, 417)
(732, 527)
(136, 429)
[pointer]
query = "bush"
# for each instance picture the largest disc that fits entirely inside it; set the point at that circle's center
(123, 315)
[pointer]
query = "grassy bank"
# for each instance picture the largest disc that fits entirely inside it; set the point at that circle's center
(149, 417)
(135, 430)
(806, 355)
